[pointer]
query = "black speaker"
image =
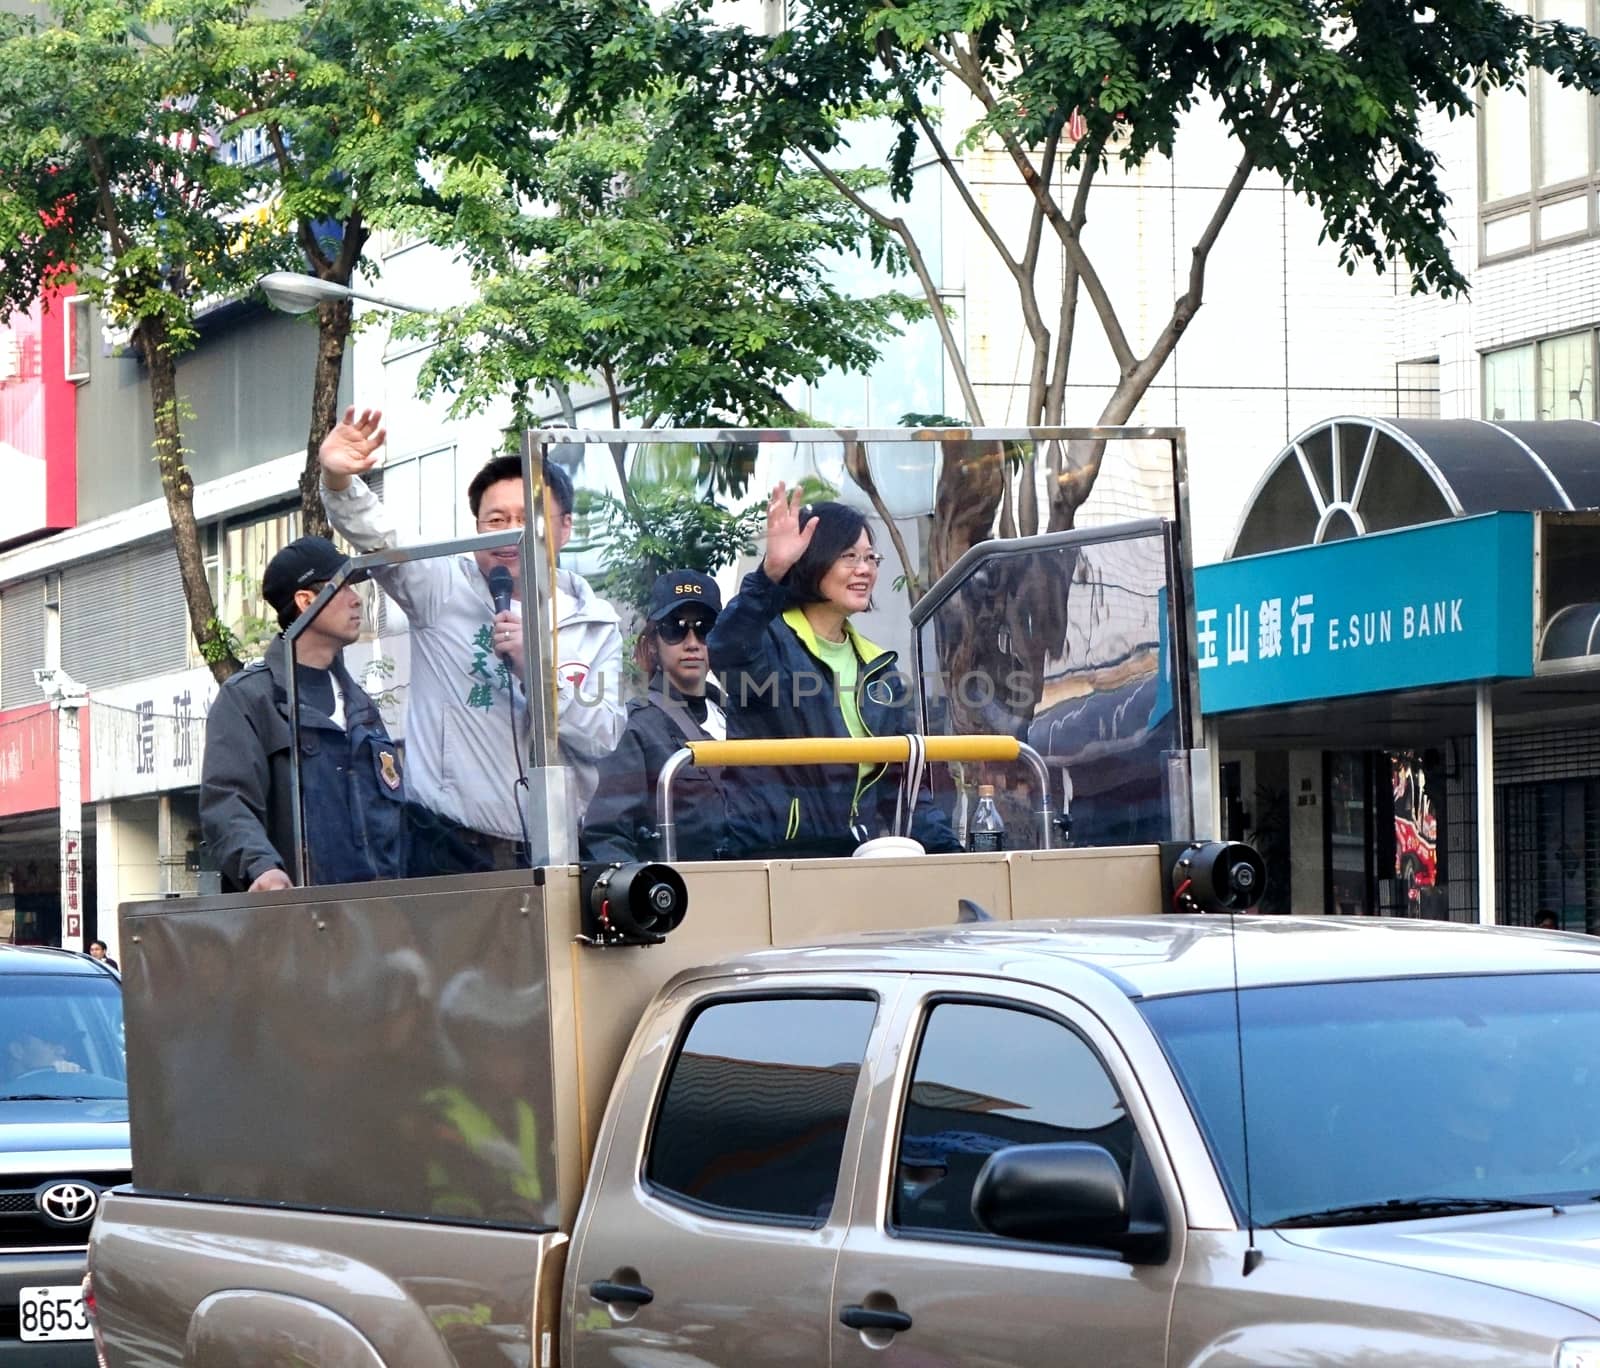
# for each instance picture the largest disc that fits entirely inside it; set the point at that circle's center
(1211, 876)
(631, 904)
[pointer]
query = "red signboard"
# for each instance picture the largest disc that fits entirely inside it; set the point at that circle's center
(29, 773)
(38, 421)
(30, 763)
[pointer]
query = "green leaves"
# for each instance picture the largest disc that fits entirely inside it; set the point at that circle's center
(694, 278)
(1331, 95)
(107, 165)
(670, 527)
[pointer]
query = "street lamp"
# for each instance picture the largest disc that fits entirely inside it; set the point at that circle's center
(297, 293)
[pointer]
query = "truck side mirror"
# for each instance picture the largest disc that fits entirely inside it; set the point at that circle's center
(1070, 1193)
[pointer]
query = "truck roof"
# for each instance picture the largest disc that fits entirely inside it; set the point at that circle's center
(1160, 956)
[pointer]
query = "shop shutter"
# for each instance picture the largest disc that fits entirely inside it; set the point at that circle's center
(21, 643)
(123, 617)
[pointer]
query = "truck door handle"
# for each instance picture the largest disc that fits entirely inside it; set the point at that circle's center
(870, 1318)
(630, 1294)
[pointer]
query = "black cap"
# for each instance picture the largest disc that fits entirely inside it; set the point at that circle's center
(683, 589)
(302, 563)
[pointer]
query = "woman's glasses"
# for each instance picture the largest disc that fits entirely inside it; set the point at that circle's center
(871, 559)
(674, 630)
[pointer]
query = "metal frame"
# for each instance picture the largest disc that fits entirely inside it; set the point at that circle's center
(811, 436)
(542, 748)
(1185, 659)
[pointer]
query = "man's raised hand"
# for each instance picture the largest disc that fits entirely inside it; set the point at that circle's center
(351, 447)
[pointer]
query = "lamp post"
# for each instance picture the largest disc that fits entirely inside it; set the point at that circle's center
(68, 698)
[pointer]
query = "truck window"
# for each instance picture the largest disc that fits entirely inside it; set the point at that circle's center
(751, 1125)
(988, 1077)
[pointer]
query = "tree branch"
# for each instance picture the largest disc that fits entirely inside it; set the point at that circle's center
(102, 190)
(930, 290)
(1133, 384)
(1030, 255)
(1063, 227)
(1066, 328)
(962, 189)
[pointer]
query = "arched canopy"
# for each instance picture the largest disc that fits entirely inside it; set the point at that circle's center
(1349, 476)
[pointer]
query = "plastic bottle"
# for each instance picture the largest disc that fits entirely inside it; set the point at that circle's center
(985, 830)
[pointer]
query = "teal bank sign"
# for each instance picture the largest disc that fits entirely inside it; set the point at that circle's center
(1440, 604)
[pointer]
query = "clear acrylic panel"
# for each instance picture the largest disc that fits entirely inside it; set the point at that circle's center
(663, 626)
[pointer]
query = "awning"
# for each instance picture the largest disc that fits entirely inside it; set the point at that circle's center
(1349, 476)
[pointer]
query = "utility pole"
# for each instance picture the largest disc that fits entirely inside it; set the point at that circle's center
(67, 697)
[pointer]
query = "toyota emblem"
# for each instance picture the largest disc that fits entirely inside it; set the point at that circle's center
(68, 1204)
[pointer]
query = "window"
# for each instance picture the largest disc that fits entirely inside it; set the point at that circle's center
(988, 1077)
(1537, 156)
(752, 1123)
(75, 338)
(246, 549)
(1566, 376)
(1549, 379)
(123, 616)
(22, 643)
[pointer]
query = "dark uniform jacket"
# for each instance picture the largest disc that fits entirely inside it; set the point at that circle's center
(354, 794)
(776, 685)
(620, 823)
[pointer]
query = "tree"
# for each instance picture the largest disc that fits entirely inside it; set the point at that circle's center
(361, 101)
(1329, 96)
(693, 284)
(107, 176)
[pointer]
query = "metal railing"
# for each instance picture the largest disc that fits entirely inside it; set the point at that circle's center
(828, 750)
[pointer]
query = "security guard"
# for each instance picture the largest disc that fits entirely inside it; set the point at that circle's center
(354, 793)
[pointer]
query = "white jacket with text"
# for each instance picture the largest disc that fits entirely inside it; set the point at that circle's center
(462, 700)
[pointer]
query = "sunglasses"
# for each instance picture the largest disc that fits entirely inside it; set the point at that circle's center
(674, 630)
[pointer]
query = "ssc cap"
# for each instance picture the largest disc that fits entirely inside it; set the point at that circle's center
(683, 588)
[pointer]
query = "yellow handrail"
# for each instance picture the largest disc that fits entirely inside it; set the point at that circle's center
(846, 750)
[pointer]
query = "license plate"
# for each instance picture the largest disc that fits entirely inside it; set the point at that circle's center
(54, 1313)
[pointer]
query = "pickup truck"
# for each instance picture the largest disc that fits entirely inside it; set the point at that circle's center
(471, 1139)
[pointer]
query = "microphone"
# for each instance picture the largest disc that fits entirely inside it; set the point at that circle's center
(500, 588)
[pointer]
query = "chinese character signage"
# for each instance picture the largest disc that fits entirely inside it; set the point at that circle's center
(148, 737)
(1447, 603)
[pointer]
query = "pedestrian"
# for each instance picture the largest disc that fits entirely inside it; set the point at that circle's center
(680, 705)
(466, 701)
(352, 791)
(792, 664)
(97, 951)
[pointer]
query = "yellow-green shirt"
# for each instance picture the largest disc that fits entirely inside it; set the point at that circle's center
(841, 658)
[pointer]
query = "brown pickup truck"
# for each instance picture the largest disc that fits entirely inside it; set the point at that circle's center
(431, 1125)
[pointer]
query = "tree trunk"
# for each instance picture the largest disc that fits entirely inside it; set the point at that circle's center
(971, 479)
(177, 485)
(333, 333)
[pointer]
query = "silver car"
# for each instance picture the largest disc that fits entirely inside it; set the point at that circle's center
(1154, 1141)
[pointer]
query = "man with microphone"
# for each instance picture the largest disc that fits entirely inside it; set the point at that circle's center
(465, 732)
